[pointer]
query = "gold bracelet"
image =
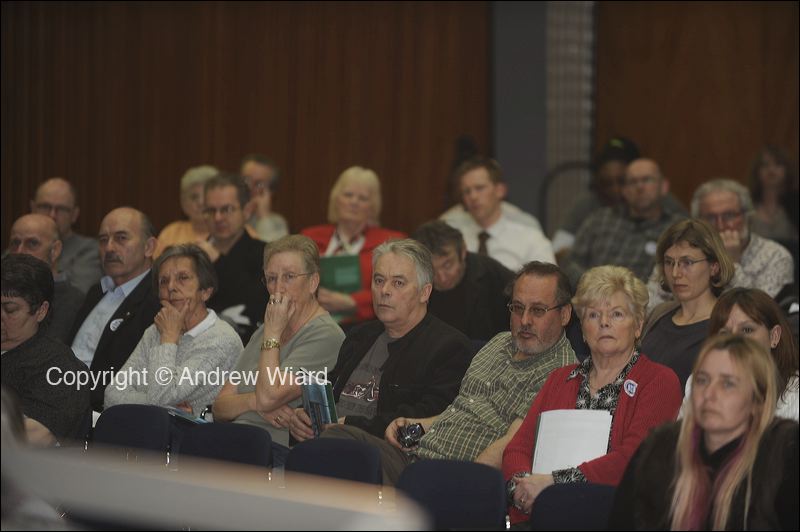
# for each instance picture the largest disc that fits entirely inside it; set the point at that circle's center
(270, 343)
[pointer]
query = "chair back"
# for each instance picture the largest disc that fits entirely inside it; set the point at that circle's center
(133, 427)
(555, 507)
(337, 458)
(231, 442)
(457, 495)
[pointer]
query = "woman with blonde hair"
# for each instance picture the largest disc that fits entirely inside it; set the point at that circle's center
(616, 377)
(353, 212)
(729, 464)
(693, 265)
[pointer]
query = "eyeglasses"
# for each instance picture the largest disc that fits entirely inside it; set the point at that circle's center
(227, 210)
(287, 278)
(182, 279)
(47, 208)
(684, 263)
(646, 180)
(538, 312)
(724, 217)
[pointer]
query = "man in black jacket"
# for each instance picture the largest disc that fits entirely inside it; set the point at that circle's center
(409, 363)
(123, 304)
(469, 290)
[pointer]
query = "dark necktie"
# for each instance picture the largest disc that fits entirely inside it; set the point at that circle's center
(483, 236)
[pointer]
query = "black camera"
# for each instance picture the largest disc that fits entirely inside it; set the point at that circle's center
(410, 435)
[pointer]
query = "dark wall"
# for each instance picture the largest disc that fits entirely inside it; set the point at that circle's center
(121, 98)
(519, 94)
(700, 85)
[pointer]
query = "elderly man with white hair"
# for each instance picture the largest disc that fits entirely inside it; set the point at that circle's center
(759, 262)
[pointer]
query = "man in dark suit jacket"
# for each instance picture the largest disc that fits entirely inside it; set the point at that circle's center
(469, 290)
(117, 310)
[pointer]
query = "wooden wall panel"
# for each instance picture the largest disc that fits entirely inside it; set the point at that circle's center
(121, 98)
(699, 85)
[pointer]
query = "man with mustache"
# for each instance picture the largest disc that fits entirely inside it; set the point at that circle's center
(123, 304)
(499, 386)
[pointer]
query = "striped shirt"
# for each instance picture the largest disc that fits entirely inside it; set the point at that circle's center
(495, 391)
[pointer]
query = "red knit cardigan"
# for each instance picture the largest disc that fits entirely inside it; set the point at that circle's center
(373, 237)
(656, 400)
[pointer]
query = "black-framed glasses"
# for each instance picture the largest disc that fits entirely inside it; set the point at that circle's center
(227, 210)
(724, 217)
(287, 278)
(537, 311)
(47, 208)
(684, 263)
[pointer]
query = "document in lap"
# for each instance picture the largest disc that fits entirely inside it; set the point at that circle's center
(340, 273)
(319, 404)
(567, 438)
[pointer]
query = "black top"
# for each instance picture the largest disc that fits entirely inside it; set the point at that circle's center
(644, 495)
(66, 301)
(239, 273)
(421, 377)
(57, 406)
(477, 305)
(136, 313)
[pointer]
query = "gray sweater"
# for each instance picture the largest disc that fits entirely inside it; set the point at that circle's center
(195, 368)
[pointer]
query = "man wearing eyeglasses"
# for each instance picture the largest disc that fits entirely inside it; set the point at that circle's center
(240, 299)
(625, 235)
(499, 386)
(79, 259)
(261, 176)
(759, 262)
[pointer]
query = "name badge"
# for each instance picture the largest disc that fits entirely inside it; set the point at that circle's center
(630, 387)
(115, 324)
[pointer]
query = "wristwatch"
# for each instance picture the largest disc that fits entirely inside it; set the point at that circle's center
(270, 343)
(511, 485)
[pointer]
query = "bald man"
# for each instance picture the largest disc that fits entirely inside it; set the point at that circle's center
(79, 260)
(117, 310)
(625, 235)
(37, 235)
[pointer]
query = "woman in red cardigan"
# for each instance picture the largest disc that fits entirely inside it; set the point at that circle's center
(639, 393)
(353, 211)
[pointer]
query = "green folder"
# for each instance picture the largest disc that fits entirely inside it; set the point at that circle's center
(341, 273)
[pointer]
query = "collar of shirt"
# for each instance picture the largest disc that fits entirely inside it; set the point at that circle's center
(338, 246)
(107, 284)
(556, 347)
(203, 326)
(583, 369)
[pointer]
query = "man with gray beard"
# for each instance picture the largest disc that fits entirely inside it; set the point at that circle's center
(500, 384)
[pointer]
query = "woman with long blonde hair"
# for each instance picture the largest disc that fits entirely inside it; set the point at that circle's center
(730, 464)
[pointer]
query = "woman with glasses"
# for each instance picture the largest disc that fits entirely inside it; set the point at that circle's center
(174, 362)
(353, 212)
(616, 377)
(729, 464)
(297, 335)
(694, 266)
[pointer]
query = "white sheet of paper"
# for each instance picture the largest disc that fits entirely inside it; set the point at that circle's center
(567, 438)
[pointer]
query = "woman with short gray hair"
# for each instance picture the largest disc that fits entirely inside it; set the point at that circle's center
(195, 228)
(178, 358)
